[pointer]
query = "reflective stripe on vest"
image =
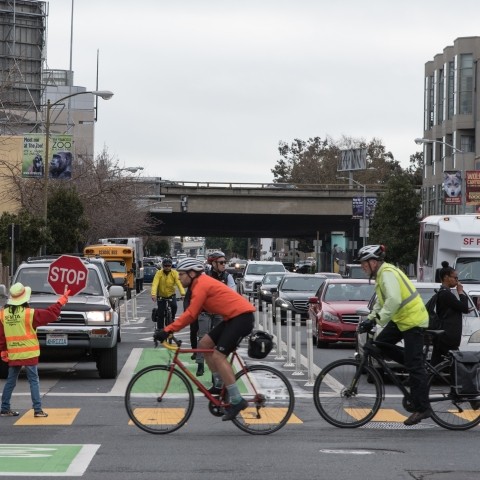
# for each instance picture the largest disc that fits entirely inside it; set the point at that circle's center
(20, 335)
(412, 292)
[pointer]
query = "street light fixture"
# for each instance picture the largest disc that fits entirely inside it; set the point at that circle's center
(421, 141)
(364, 215)
(106, 95)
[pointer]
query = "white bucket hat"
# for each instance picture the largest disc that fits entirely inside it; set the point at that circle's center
(19, 294)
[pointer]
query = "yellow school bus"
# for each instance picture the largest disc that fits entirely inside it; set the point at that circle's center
(119, 259)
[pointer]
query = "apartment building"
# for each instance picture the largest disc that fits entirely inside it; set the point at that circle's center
(451, 135)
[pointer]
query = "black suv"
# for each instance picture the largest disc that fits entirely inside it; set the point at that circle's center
(88, 326)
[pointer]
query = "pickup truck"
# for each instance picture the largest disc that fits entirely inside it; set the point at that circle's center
(88, 326)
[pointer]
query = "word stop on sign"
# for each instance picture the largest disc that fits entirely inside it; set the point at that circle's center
(67, 276)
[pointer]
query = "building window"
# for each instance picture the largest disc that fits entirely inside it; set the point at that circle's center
(467, 143)
(431, 101)
(450, 90)
(466, 84)
(441, 95)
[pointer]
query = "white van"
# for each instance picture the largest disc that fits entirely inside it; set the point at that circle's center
(254, 272)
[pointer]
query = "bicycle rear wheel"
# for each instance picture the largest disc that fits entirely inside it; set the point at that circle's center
(450, 410)
(159, 401)
(338, 402)
(270, 400)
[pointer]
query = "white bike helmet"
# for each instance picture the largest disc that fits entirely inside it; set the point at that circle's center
(368, 252)
(190, 264)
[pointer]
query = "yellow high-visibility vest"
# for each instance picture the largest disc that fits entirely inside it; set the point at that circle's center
(21, 337)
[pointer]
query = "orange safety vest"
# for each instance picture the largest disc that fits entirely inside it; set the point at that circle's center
(21, 337)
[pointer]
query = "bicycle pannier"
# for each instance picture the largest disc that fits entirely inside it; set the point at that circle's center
(259, 344)
(466, 372)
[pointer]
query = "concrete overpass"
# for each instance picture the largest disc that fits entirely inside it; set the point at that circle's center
(217, 209)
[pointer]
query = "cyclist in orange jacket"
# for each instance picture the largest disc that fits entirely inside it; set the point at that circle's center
(207, 293)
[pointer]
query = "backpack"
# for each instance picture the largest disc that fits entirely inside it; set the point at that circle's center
(434, 321)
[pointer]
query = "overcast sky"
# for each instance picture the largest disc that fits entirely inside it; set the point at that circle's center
(206, 89)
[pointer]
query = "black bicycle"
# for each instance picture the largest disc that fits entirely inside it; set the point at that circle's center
(166, 313)
(348, 393)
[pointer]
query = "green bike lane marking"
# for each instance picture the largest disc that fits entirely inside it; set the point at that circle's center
(53, 460)
(151, 356)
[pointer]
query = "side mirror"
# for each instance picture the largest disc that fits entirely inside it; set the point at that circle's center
(3, 291)
(274, 289)
(363, 311)
(313, 300)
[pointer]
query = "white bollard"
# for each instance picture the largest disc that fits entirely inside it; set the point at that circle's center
(270, 325)
(257, 315)
(298, 346)
(289, 362)
(279, 335)
(310, 374)
(125, 307)
(134, 305)
(264, 316)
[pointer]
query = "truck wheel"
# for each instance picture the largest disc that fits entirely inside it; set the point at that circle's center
(3, 370)
(107, 362)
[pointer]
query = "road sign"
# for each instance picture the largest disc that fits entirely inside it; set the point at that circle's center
(67, 271)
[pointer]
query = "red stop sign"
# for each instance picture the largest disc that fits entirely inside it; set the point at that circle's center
(67, 271)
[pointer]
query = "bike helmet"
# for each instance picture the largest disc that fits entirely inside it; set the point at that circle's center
(167, 261)
(215, 255)
(368, 252)
(190, 264)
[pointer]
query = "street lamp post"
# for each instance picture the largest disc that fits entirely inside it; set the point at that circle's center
(364, 214)
(421, 141)
(106, 95)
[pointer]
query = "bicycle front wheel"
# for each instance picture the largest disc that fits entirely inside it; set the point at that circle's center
(450, 410)
(270, 400)
(159, 400)
(343, 402)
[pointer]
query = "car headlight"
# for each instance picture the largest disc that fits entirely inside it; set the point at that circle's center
(99, 317)
(284, 304)
(474, 337)
(265, 292)
(329, 317)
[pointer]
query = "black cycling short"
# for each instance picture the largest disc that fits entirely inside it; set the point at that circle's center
(228, 334)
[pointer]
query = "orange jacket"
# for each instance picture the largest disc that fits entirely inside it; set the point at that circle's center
(209, 294)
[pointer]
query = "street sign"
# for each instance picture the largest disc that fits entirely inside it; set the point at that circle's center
(67, 271)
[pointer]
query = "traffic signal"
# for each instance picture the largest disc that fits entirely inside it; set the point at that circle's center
(184, 203)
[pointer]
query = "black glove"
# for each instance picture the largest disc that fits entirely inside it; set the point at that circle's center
(160, 335)
(366, 326)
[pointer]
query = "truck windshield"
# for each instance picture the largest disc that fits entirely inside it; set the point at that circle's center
(117, 267)
(468, 269)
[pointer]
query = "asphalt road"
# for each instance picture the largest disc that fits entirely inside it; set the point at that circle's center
(88, 434)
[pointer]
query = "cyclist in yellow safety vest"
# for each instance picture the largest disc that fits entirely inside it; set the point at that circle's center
(400, 309)
(163, 286)
(19, 343)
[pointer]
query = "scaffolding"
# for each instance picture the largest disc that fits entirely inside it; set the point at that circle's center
(23, 26)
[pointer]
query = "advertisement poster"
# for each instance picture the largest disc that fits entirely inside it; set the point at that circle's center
(452, 186)
(61, 156)
(357, 207)
(33, 152)
(472, 190)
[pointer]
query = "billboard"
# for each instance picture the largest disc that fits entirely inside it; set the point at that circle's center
(472, 189)
(60, 158)
(452, 187)
(357, 207)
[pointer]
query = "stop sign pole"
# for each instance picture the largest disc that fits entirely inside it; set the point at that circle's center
(67, 272)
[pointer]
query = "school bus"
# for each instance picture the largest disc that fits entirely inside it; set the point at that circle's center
(120, 261)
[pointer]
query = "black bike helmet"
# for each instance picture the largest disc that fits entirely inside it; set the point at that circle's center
(167, 261)
(368, 252)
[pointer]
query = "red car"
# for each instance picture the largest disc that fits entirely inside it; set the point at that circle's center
(333, 309)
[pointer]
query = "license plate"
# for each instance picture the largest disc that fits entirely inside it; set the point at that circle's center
(57, 339)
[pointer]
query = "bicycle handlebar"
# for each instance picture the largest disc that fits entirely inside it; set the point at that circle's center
(169, 346)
